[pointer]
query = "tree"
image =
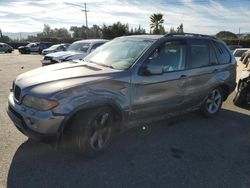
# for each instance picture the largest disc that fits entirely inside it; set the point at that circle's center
(137, 31)
(53, 34)
(5, 39)
(79, 32)
(180, 29)
(95, 32)
(247, 36)
(157, 23)
(226, 35)
(172, 30)
(83, 32)
(32, 38)
(116, 30)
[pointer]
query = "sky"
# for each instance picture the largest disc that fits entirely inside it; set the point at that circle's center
(197, 16)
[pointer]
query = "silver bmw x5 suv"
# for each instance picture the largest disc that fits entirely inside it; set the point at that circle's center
(127, 82)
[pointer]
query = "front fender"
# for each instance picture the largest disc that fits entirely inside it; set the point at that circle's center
(97, 103)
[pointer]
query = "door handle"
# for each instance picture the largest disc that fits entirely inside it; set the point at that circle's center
(215, 70)
(183, 76)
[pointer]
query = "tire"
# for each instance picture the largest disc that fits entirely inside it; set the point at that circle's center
(213, 102)
(90, 132)
(240, 97)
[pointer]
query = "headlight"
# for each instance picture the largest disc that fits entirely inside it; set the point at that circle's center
(56, 59)
(67, 58)
(39, 103)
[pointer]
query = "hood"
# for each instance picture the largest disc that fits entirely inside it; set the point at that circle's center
(21, 47)
(70, 55)
(53, 78)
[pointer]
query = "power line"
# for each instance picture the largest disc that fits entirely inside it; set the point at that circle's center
(84, 9)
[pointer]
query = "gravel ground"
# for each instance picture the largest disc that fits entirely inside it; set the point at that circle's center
(189, 152)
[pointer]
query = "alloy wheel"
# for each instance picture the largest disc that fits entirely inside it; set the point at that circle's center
(214, 101)
(101, 131)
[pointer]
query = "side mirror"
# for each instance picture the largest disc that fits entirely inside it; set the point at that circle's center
(153, 69)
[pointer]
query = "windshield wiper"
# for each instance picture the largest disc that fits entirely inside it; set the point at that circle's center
(102, 64)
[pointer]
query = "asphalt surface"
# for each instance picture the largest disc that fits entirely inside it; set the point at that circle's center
(190, 152)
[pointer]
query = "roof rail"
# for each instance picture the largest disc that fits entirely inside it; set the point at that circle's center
(188, 34)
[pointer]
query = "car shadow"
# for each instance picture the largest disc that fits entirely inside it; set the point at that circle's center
(246, 106)
(190, 151)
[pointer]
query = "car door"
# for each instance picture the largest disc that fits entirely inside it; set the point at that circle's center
(1, 48)
(34, 48)
(156, 88)
(200, 70)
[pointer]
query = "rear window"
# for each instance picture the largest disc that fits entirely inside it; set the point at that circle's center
(222, 54)
(199, 55)
(239, 53)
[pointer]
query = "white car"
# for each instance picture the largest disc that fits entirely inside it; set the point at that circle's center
(55, 48)
(76, 51)
(5, 48)
(238, 52)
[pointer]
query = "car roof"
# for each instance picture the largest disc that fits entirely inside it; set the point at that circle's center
(242, 49)
(91, 41)
(173, 35)
(154, 37)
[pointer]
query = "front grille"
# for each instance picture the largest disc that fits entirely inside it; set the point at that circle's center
(47, 58)
(17, 92)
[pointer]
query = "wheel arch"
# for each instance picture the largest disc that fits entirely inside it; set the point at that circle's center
(116, 109)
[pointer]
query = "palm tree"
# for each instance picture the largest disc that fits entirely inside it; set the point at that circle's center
(157, 23)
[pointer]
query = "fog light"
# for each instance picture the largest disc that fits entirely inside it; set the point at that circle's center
(31, 123)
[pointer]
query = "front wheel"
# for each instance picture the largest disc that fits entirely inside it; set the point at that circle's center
(91, 131)
(212, 103)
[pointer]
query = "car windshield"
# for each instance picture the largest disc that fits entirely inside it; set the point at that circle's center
(79, 46)
(239, 53)
(119, 53)
(53, 47)
(30, 44)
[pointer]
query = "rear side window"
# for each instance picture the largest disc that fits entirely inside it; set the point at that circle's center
(222, 54)
(199, 56)
(96, 46)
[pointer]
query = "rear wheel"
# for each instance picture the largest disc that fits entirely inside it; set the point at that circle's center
(213, 103)
(91, 131)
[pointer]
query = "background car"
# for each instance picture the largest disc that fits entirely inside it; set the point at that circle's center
(238, 52)
(55, 48)
(77, 50)
(244, 57)
(242, 96)
(44, 45)
(5, 48)
(34, 47)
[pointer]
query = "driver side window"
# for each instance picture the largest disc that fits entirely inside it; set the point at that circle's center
(171, 56)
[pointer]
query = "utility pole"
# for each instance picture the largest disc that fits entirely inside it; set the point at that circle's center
(239, 37)
(86, 16)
